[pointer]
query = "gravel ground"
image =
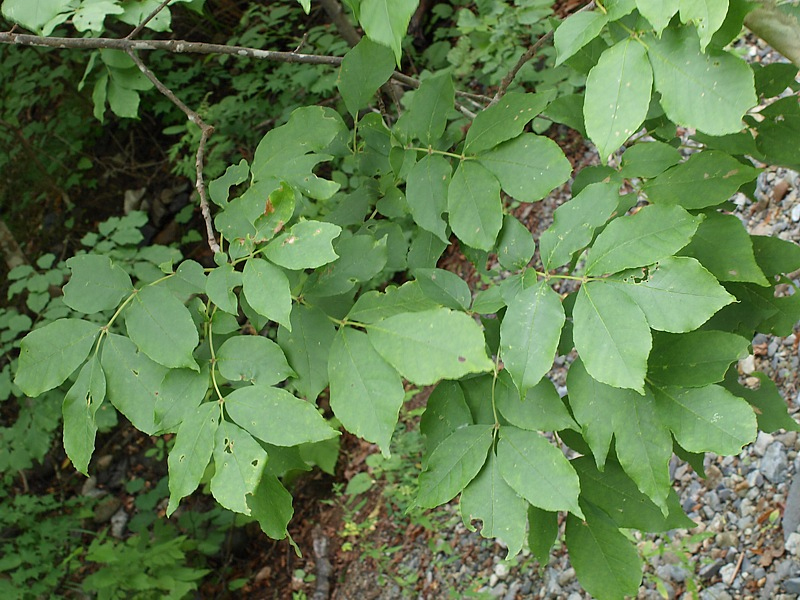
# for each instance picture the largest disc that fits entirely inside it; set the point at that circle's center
(740, 547)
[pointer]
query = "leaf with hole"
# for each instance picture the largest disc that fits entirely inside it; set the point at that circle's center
(238, 461)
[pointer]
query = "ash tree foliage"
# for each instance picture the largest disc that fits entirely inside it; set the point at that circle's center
(330, 239)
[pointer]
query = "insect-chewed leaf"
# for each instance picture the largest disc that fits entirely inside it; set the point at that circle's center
(574, 223)
(219, 188)
(473, 201)
(96, 284)
(366, 392)
(652, 234)
(306, 246)
(501, 511)
(307, 347)
(134, 381)
(707, 17)
(707, 419)
(189, 457)
(162, 327)
(80, 405)
(710, 92)
(431, 345)
(50, 354)
(453, 464)
(606, 562)
(252, 358)
(180, 393)
(528, 167)
(677, 294)
(271, 506)
(274, 416)
(617, 95)
(537, 470)
(504, 120)
(266, 289)
(239, 462)
(612, 335)
(529, 334)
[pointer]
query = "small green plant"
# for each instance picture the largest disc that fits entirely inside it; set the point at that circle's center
(677, 548)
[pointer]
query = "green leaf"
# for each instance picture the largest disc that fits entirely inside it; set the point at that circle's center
(365, 68)
(770, 407)
(706, 15)
(540, 410)
(774, 255)
(676, 294)
(478, 396)
(707, 419)
(723, 246)
(504, 120)
(426, 194)
(36, 14)
(612, 335)
(515, 247)
(576, 31)
(643, 443)
(574, 223)
(444, 287)
(431, 345)
(307, 349)
(180, 393)
(189, 279)
(617, 95)
(162, 327)
(361, 257)
(374, 306)
(80, 405)
(307, 346)
(189, 457)
(775, 134)
(219, 288)
(473, 200)
(133, 381)
(706, 179)
(649, 159)
(652, 234)
(96, 284)
(529, 334)
(501, 511)
(694, 359)
(366, 393)
(219, 189)
(288, 153)
(252, 358)
(616, 9)
(274, 416)
(453, 464)
(658, 12)
(307, 245)
(617, 494)
(239, 461)
(529, 166)
(542, 532)
(50, 354)
(266, 289)
(446, 411)
(606, 562)
(271, 506)
(537, 470)
(386, 21)
(710, 92)
(426, 117)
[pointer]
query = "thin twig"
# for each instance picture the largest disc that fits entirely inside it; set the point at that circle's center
(147, 19)
(527, 56)
(205, 131)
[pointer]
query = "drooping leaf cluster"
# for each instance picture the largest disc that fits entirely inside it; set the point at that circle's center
(332, 235)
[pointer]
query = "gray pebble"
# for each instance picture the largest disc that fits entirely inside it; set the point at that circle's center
(711, 569)
(793, 543)
(716, 592)
(774, 464)
(792, 585)
(566, 577)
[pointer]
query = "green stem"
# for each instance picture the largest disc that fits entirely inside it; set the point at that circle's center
(430, 150)
(210, 336)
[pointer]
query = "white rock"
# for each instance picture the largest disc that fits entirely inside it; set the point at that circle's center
(796, 213)
(501, 570)
(792, 543)
(748, 365)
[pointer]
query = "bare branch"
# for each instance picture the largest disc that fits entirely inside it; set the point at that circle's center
(137, 30)
(205, 131)
(527, 56)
